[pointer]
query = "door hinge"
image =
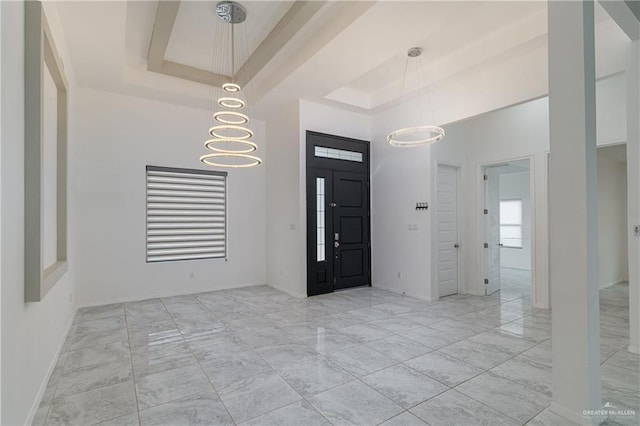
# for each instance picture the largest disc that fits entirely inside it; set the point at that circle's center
(486, 245)
(486, 281)
(485, 177)
(486, 211)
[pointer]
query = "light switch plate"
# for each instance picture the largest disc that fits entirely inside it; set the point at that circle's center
(413, 227)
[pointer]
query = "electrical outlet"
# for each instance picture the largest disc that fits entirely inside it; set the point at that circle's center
(399, 274)
(636, 230)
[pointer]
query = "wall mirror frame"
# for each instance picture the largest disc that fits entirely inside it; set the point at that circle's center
(41, 55)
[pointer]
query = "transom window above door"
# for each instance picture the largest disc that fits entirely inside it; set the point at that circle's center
(338, 154)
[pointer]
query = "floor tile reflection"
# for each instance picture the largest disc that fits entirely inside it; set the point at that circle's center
(365, 356)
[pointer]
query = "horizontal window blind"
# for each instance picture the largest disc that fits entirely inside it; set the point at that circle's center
(186, 214)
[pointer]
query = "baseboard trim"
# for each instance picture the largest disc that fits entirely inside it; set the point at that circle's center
(290, 293)
(52, 366)
(570, 414)
(158, 296)
(403, 293)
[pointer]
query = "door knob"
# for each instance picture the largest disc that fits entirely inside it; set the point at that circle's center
(336, 244)
(456, 245)
(332, 204)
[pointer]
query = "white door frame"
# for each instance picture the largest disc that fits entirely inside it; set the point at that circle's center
(481, 264)
(434, 227)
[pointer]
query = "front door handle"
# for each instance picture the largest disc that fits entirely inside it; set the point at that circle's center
(336, 244)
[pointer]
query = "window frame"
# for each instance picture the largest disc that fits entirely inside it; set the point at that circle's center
(41, 54)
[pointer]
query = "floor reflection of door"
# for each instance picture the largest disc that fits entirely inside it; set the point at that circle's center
(338, 231)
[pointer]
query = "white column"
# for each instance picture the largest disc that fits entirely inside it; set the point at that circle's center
(633, 189)
(573, 210)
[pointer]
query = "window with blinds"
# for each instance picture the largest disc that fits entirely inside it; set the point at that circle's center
(186, 214)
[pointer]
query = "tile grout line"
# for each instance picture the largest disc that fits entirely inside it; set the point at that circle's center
(372, 302)
(133, 371)
(198, 361)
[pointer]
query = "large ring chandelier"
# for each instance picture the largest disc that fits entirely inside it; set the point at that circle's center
(409, 137)
(230, 142)
(415, 136)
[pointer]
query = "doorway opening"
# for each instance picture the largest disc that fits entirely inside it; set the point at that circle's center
(507, 230)
(613, 255)
(338, 213)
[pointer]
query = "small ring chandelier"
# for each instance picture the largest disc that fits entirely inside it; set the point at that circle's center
(230, 142)
(409, 137)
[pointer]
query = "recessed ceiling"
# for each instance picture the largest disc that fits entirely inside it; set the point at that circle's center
(202, 40)
(479, 55)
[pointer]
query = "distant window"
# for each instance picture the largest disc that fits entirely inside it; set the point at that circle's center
(186, 214)
(511, 223)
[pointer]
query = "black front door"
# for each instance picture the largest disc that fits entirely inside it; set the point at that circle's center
(351, 229)
(338, 233)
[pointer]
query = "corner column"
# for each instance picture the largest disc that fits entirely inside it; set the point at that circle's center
(633, 190)
(573, 220)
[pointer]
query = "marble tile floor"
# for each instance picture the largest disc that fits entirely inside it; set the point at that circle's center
(515, 283)
(255, 356)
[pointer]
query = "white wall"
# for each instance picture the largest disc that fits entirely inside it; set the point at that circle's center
(399, 178)
(611, 110)
(31, 332)
(517, 186)
(116, 137)
(509, 134)
(0, 212)
(285, 259)
(612, 220)
(286, 180)
(402, 177)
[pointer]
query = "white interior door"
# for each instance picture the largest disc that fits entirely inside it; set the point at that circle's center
(491, 230)
(447, 220)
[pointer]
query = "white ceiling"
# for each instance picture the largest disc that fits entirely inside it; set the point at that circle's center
(479, 56)
(198, 33)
